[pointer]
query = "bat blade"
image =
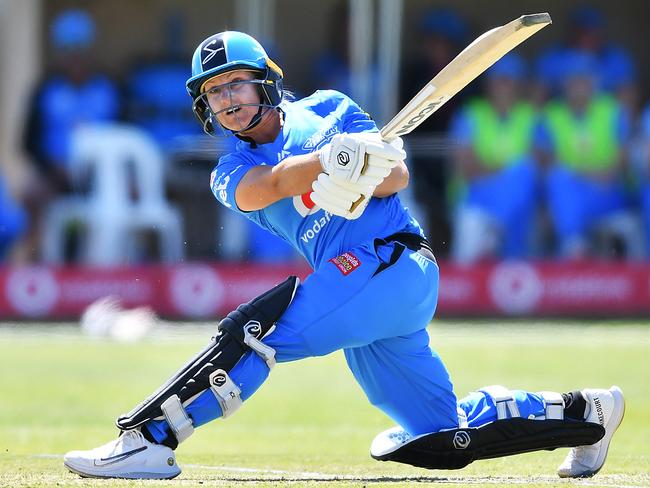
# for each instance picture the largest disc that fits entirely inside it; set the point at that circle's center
(462, 70)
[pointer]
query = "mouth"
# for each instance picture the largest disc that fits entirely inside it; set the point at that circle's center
(231, 111)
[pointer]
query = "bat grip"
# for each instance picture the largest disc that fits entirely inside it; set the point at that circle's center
(386, 136)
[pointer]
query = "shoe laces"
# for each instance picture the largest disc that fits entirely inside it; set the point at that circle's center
(132, 438)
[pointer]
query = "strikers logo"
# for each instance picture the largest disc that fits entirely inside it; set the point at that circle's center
(303, 204)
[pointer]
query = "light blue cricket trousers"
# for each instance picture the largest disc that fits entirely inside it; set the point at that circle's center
(379, 320)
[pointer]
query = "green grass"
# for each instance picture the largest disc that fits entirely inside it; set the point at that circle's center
(310, 424)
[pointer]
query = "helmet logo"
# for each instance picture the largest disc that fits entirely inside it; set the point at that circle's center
(211, 52)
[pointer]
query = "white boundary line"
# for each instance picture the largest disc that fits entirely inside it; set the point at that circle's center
(442, 479)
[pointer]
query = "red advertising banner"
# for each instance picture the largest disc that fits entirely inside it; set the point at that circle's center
(209, 290)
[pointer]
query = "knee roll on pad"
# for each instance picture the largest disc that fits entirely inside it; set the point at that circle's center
(456, 448)
(508, 435)
(242, 330)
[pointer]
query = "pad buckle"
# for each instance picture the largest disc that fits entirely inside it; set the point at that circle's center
(177, 418)
(554, 405)
(251, 331)
(226, 391)
(504, 401)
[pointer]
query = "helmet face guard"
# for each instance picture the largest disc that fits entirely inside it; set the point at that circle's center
(206, 112)
(229, 51)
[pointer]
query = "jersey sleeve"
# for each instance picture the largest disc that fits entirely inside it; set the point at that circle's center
(353, 118)
(356, 120)
(226, 176)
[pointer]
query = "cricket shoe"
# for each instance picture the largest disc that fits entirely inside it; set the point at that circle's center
(129, 456)
(604, 407)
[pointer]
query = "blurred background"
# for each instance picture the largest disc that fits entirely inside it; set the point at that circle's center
(533, 184)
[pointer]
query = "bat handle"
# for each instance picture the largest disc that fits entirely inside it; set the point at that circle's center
(386, 135)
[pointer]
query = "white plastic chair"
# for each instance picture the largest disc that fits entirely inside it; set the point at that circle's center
(116, 158)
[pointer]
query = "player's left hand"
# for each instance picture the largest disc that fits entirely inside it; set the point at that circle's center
(350, 157)
(340, 197)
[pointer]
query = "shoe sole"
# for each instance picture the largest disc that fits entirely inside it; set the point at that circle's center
(615, 421)
(131, 476)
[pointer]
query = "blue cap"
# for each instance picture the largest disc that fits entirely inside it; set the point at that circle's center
(587, 17)
(446, 23)
(510, 66)
(580, 63)
(619, 71)
(72, 29)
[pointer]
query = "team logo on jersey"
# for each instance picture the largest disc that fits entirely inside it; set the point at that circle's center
(304, 205)
(318, 139)
(346, 263)
(219, 187)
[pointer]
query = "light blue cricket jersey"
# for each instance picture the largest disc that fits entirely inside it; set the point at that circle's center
(318, 235)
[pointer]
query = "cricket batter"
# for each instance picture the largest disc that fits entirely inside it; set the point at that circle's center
(316, 173)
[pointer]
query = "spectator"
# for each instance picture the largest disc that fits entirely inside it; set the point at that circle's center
(442, 35)
(493, 139)
(587, 33)
(156, 95)
(640, 161)
(13, 221)
(583, 136)
(71, 95)
(331, 69)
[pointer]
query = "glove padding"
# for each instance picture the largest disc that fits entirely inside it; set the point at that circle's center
(349, 157)
(340, 197)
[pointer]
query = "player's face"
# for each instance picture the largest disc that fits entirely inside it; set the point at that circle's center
(233, 99)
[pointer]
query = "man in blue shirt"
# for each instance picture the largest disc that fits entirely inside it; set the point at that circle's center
(73, 95)
(316, 173)
(496, 174)
(582, 139)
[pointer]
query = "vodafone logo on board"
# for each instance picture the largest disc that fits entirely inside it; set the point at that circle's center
(515, 287)
(32, 291)
(196, 290)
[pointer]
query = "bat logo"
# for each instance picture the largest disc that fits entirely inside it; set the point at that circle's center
(421, 115)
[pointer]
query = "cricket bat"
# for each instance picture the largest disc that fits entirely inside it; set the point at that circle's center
(462, 70)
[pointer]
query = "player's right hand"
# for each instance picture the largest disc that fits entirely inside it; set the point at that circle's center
(350, 157)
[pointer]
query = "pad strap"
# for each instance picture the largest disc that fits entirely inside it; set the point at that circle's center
(504, 401)
(267, 353)
(226, 391)
(554, 405)
(177, 418)
(462, 418)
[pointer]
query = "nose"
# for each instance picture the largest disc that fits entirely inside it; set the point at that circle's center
(221, 99)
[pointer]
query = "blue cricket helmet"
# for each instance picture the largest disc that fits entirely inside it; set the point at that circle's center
(229, 51)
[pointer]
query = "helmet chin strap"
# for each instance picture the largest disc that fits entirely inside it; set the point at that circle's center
(257, 118)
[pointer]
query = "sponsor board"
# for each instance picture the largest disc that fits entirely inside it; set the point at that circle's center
(210, 290)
